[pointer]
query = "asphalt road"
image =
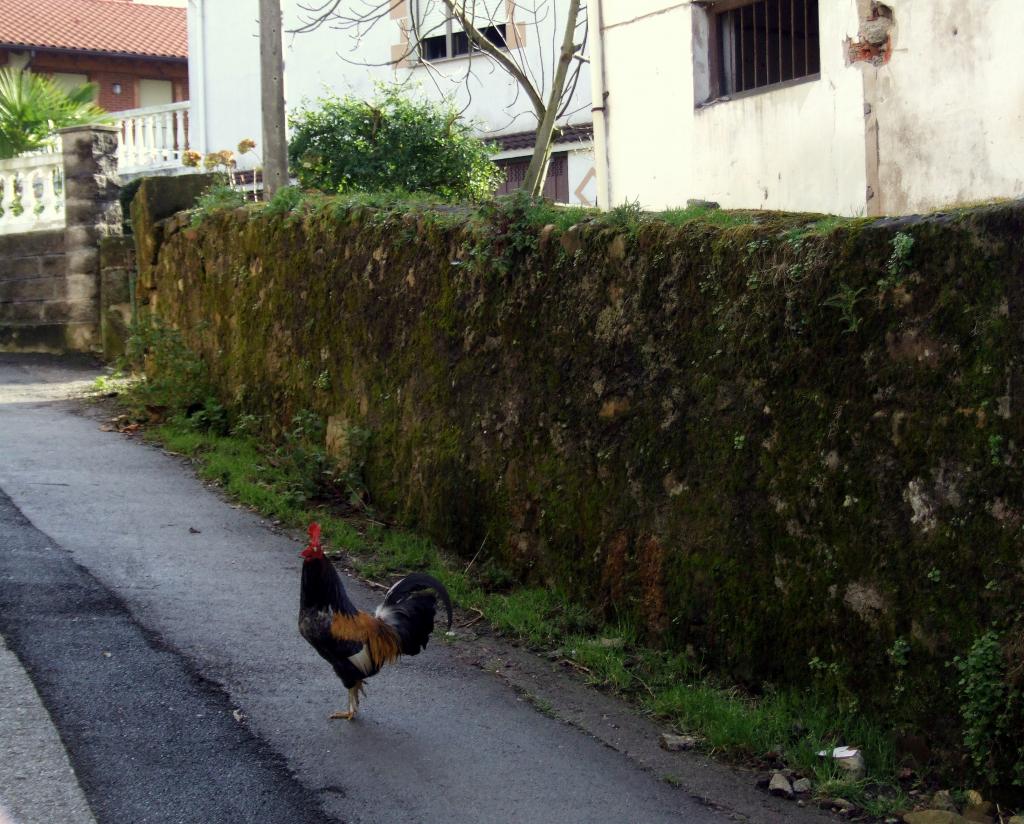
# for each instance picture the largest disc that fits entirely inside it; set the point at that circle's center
(158, 624)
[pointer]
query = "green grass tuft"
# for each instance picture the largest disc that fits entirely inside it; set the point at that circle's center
(703, 214)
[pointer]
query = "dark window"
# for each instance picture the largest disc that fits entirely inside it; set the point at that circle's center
(434, 48)
(455, 43)
(766, 43)
(496, 34)
(556, 187)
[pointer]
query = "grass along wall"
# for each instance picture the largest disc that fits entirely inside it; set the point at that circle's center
(787, 445)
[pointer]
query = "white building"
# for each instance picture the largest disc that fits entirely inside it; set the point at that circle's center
(847, 106)
(224, 74)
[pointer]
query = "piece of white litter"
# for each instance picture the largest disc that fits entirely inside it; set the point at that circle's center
(840, 752)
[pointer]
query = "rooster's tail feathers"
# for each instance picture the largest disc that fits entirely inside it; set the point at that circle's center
(404, 589)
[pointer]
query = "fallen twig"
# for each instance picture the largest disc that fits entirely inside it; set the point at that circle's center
(479, 616)
(573, 664)
(473, 561)
(643, 683)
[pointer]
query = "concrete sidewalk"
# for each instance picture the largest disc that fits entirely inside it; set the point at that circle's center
(37, 784)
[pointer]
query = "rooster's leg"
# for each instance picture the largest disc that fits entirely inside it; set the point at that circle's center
(353, 704)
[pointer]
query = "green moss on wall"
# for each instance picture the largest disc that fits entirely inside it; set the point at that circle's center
(773, 441)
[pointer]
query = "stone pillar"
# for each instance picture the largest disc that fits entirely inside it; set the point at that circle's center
(93, 212)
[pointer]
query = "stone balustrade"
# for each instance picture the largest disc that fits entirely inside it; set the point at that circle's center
(152, 138)
(31, 193)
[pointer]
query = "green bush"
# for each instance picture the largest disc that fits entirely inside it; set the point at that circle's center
(176, 384)
(390, 142)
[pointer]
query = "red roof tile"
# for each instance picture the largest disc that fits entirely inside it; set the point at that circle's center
(109, 26)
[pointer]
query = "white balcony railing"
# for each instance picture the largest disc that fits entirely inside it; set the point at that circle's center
(32, 193)
(152, 138)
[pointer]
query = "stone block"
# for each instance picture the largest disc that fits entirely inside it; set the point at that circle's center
(115, 285)
(83, 235)
(81, 286)
(34, 337)
(53, 265)
(16, 268)
(69, 311)
(89, 147)
(21, 312)
(84, 260)
(29, 289)
(159, 198)
(79, 211)
(934, 817)
(81, 337)
(90, 188)
(27, 244)
(115, 327)
(116, 251)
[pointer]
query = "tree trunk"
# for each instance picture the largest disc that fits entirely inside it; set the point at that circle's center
(275, 143)
(537, 172)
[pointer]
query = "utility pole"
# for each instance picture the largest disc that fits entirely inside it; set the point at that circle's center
(275, 144)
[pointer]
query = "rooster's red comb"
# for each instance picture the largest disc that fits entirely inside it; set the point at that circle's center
(314, 533)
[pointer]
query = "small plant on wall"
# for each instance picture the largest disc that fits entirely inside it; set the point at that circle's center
(222, 163)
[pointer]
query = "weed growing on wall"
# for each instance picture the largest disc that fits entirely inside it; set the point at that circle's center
(898, 264)
(991, 689)
(846, 300)
(216, 199)
(177, 379)
(505, 235)
(285, 200)
(627, 217)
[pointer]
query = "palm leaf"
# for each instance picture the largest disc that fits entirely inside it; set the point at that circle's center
(33, 107)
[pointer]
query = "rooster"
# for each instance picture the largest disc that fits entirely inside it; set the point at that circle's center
(356, 643)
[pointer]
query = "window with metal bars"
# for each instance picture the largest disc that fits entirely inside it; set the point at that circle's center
(455, 43)
(761, 44)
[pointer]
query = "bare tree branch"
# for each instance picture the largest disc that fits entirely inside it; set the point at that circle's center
(550, 101)
(458, 11)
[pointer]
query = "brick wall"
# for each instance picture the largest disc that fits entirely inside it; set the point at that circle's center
(107, 98)
(105, 71)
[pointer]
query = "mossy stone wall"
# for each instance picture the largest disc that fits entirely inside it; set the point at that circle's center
(782, 445)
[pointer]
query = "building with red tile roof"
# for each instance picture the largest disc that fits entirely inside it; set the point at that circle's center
(137, 53)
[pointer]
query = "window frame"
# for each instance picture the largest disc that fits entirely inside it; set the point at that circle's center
(556, 184)
(449, 40)
(716, 10)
